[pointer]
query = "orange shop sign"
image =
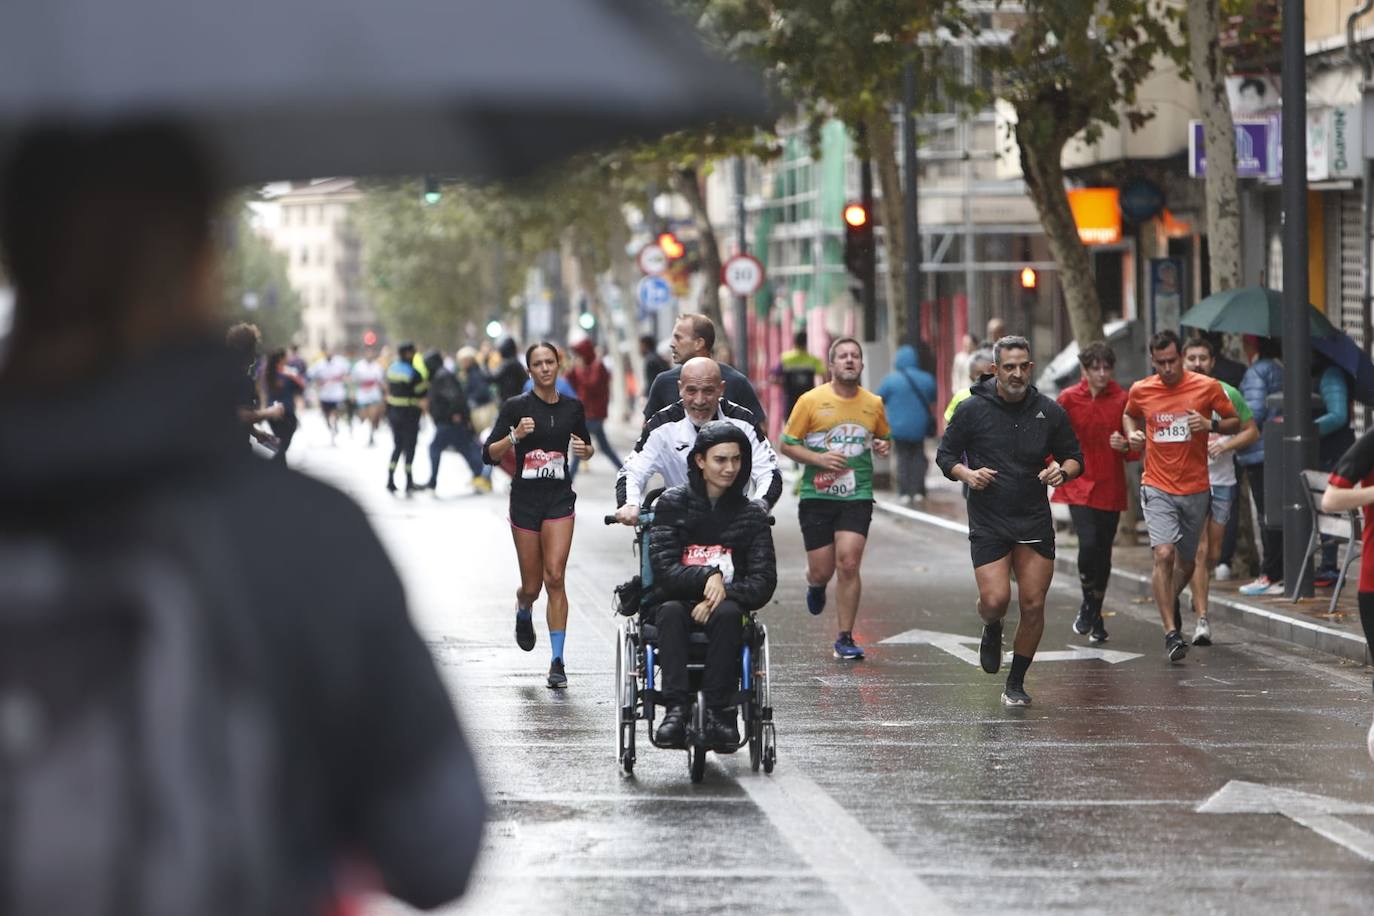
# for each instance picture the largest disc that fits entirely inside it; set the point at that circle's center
(1097, 213)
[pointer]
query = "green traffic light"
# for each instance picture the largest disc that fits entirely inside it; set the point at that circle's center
(432, 197)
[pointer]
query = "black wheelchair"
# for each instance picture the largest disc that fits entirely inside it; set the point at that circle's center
(636, 672)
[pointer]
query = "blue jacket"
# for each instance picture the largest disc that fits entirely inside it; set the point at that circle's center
(1263, 378)
(908, 417)
(561, 385)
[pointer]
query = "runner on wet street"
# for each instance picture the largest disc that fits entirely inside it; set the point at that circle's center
(1175, 407)
(406, 385)
(541, 426)
(833, 431)
(1008, 442)
(1097, 497)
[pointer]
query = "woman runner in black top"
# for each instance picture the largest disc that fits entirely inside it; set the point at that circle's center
(540, 425)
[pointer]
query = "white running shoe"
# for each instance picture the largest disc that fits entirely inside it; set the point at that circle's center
(1202, 636)
(1370, 742)
(1223, 573)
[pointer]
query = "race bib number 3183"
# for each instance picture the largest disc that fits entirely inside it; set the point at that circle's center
(542, 465)
(1172, 427)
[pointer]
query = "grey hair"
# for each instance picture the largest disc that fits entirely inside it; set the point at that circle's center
(980, 357)
(1010, 342)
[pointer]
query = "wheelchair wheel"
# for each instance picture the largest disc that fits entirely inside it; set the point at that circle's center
(625, 702)
(696, 746)
(755, 726)
(770, 747)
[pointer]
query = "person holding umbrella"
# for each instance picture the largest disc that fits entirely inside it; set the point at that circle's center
(1263, 378)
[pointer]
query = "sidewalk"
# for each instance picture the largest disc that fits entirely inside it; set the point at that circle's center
(1305, 623)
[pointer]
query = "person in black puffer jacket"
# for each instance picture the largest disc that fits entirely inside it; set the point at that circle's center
(711, 551)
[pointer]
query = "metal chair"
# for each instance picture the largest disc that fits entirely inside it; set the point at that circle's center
(1343, 526)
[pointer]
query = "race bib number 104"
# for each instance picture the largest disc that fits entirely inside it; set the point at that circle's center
(542, 465)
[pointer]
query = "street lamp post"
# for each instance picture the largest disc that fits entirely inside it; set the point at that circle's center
(910, 222)
(741, 302)
(1297, 404)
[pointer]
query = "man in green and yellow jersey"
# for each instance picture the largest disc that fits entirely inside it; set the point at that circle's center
(797, 371)
(833, 432)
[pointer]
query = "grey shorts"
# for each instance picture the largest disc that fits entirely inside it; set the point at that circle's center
(1173, 519)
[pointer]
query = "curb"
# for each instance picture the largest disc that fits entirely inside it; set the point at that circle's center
(1227, 610)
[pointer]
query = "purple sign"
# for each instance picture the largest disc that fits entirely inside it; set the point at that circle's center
(1257, 142)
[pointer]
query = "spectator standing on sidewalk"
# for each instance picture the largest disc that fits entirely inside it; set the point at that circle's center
(1263, 378)
(908, 392)
(273, 744)
(591, 382)
(1097, 497)
(1334, 438)
(1199, 356)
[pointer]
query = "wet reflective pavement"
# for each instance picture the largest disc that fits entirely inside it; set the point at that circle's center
(902, 784)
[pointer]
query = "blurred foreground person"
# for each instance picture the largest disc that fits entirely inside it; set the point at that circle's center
(206, 712)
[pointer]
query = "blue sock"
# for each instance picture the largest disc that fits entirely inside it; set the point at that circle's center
(556, 641)
(522, 613)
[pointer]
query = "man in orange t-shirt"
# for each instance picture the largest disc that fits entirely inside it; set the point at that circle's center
(1176, 407)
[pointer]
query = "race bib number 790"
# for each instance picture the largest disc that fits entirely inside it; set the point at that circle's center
(835, 483)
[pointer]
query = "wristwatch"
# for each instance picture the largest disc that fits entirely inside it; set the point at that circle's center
(1216, 425)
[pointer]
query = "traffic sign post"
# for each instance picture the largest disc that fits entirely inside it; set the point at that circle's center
(743, 275)
(652, 260)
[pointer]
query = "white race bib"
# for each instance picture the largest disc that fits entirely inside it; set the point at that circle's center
(711, 555)
(542, 465)
(1171, 427)
(835, 483)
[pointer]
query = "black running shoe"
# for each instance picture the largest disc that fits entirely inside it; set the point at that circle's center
(524, 631)
(557, 676)
(390, 485)
(1084, 621)
(672, 731)
(1099, 632)
(1015, 695)
(1175, 646)
(722, 730)
(990, 652)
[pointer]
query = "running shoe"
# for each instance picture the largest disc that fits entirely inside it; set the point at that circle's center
(1223, 573)
(390, 485)
(1262, 588)
(1084, 621)
(1015, 695)
(1325, 578)
(1099, 632)
(846, 650)
(481, 485)
(815, 599)
(1202, 636)
(1175, 646)
(990, 650)
(524, 630)
(557, 676)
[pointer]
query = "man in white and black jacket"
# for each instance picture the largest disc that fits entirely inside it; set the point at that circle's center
(711, 551)
(668, 435)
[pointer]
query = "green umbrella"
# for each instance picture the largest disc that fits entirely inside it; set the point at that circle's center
(1249, 310)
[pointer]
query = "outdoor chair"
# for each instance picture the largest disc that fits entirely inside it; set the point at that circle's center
(1343, 526)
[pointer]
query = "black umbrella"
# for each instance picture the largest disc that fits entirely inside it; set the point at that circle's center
(300, 88)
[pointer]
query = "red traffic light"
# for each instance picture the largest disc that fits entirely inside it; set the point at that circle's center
(856, 215)
(673, 248)
(369, 338)
(1029, 278)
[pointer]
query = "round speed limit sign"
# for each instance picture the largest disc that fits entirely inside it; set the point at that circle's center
(743, 274)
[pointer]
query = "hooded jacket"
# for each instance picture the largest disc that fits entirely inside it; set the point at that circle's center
(447, 399)
(591, 380)
(908, 416)
(1016, 440)
(691, 538)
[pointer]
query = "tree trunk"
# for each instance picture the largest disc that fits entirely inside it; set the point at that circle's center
(688, 184)
(882, 140)
(1044, 175)
(624, 275)
(1219, 136)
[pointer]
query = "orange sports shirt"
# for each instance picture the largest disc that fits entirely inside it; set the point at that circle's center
(1175, 459)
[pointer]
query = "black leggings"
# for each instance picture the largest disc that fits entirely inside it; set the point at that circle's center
(1096, 530)
(285, 430)
(405, 432)
(726, 634)
(1367, 616)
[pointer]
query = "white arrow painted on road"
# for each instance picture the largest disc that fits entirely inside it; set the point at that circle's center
(957, 644)
(1315, 812)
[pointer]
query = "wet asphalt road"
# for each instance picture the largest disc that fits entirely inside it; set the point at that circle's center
(902, 784)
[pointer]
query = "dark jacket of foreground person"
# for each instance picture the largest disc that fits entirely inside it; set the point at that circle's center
(363, 762)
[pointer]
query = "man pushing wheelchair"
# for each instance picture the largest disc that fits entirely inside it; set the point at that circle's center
(711, 553)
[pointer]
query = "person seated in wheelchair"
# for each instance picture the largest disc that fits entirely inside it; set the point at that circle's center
(711, 551)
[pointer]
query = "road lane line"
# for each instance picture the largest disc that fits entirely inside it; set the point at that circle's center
(839, 849)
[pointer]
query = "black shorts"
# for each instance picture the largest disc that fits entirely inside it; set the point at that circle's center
(531, 508)
(989, 548)
(329, 407)
(821, 518)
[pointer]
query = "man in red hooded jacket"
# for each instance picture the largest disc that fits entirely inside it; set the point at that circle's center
(592, 381)
(1097, 498)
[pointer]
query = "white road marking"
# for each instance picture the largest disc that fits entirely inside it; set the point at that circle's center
(1315, 812)
(958, 645)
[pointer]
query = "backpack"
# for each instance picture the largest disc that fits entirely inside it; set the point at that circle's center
(136, 763)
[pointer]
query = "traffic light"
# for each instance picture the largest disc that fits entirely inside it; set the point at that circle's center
(671, 246)
(369, 338)
(432, 192)
(859, 254)
(1029, 278)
